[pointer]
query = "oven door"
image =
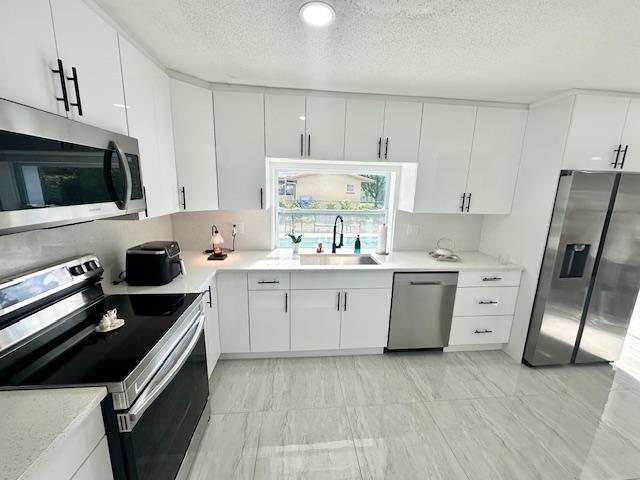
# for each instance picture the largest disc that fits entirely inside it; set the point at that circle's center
(158, 433)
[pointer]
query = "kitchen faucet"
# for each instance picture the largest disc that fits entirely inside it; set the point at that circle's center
(335, 228)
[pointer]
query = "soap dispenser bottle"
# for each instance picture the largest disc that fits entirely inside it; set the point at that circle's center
(357, 246)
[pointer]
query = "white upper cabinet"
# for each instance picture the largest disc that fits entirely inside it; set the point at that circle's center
(325, 128)
(595, 133)
(629, 159)
(401, 138)
(193, 133)
(149, 119)
(88, 44)
(284, 119)
(28, 55)
(445, 153)
(495, 159)
(239, 119)
(363, 130)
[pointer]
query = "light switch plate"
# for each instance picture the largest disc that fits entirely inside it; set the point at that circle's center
(239, 227)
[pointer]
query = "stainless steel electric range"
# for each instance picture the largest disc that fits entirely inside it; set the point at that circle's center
(154, 366)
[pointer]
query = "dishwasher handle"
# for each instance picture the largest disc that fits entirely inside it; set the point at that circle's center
(425, 283)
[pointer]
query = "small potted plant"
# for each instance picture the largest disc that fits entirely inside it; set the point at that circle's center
(295, 242)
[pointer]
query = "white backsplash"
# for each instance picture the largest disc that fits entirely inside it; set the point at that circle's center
(421, 231)
(109, 239)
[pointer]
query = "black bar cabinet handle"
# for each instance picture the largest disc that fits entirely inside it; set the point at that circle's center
(268, 282)
(379, 146)
(491, 279)
(338, 301)
(309, 146)
(464, 196)
(210, 301)
(614, 164)
(624, 156)
(302, 144)
(63, 84)
(345, 301)
(483, 331)
(487, 302)
(74, 77)
(286, 302)
(261, 198)
(468, 202)
(184, 198)
(386, 148)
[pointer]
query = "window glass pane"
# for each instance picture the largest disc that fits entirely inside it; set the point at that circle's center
(309, 202)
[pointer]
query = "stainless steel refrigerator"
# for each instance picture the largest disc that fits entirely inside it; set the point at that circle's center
(590, 272)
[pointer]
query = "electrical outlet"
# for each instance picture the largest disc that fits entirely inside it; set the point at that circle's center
(413, 230)
(240, 227)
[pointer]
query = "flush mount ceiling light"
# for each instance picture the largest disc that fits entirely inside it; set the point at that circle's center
(318, 14)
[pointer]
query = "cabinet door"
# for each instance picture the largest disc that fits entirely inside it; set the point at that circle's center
(363, 130)
(365, 318)
(631, 138)
(284, 123)
(233, 310)
(85, 41)
(315, 319)
(596, 127)
(27, 54)
(193, 134)
(97, 466)
(212, 325)
(325, 128)
(401, 131)
(167, 201)
(239, 119)
(269, 320)
(149, 118)
(495, 159)
(445, 153)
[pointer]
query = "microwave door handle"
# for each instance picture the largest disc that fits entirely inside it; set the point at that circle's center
(124, 165)
(127, 421)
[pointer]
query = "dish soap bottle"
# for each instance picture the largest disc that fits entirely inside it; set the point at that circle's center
(357, 245)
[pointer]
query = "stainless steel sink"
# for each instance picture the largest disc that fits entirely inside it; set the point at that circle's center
(335, 259)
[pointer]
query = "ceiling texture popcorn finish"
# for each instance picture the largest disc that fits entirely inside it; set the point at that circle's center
(505, 50)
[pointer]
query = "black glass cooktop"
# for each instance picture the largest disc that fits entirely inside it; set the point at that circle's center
(80, 355)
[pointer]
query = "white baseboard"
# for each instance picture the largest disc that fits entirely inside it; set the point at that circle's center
(310, 353)
(473, 348)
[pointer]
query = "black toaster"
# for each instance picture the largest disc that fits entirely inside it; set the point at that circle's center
(153, 263)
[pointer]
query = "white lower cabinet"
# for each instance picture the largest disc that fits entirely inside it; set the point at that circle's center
(233, 309)
(269, 315)
(365, 318)
(97, 466)
(211, 325)
(315, 319)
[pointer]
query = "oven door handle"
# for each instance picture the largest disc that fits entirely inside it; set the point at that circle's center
(176, 360)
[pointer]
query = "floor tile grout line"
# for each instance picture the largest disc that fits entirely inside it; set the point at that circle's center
(346, 412)
(255, 462)
(446, 441)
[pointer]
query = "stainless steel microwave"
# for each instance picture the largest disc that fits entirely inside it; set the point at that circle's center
(55, 171)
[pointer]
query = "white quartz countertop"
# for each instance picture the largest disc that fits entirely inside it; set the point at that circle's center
(200, 270)
(34, 422)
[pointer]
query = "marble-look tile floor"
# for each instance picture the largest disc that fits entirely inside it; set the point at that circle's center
(472, 415)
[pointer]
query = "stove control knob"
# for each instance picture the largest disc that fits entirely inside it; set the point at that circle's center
(76, 270)
(91, 265)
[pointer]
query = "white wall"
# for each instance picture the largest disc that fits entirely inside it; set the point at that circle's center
(192, 230)
(109, 239)
(522, 235)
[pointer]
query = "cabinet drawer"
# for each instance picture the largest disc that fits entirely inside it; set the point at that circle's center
(510, 278)
(474, 301)
(340, 280)
(479, 330)
(269, 280)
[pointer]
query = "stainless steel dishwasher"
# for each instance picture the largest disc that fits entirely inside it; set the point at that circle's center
(421, 310)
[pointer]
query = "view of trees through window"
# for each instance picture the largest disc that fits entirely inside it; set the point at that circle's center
(309, 202)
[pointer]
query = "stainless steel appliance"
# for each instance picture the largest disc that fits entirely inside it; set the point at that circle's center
(421, 310)
(55, 171)
(154, 366)
(154, 263)
(590, 273)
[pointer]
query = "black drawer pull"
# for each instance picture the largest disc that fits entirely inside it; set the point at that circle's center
(267, 282)
(487, 302)
(491, 279)
(483, 331)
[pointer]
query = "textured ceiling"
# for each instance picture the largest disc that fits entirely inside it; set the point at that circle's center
(509, 50)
